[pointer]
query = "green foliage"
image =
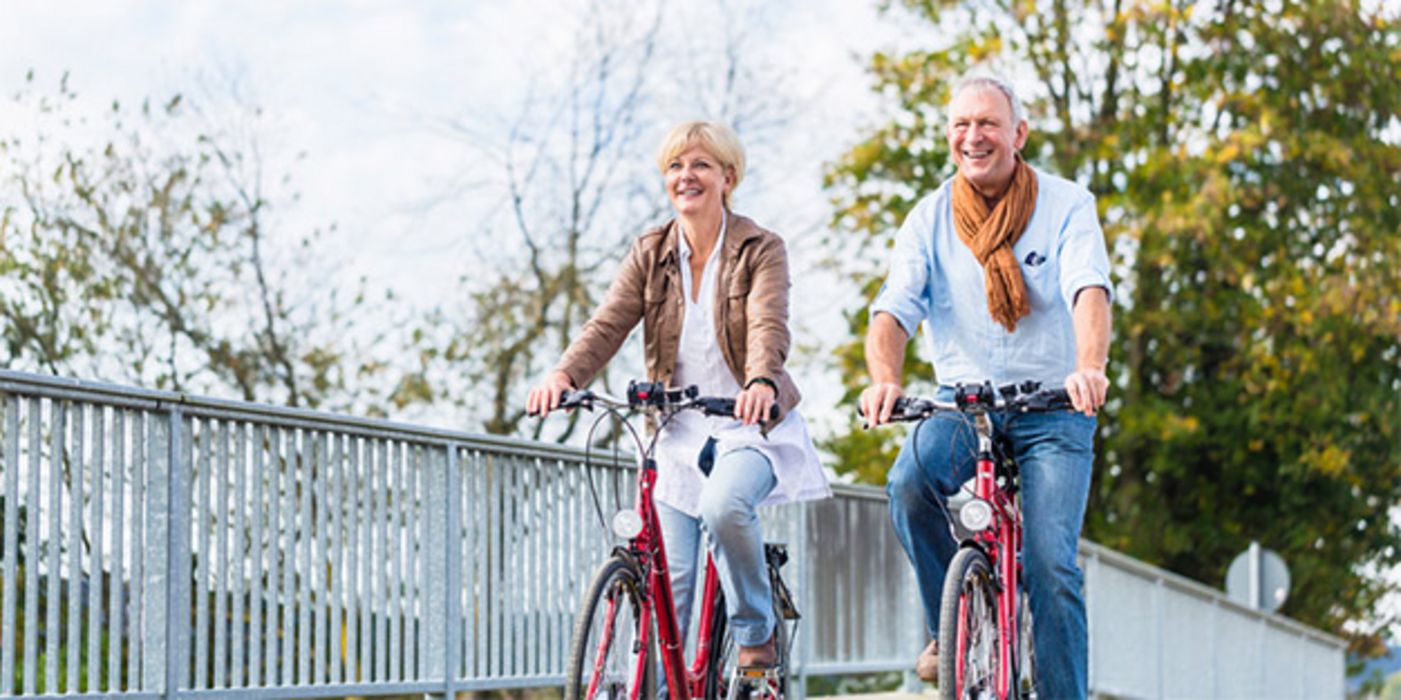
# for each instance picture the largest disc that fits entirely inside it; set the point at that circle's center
(1246, 162)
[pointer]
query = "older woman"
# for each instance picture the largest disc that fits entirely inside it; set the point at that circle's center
(711, 289)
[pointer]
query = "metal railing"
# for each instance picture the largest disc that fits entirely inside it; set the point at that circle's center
(1154, 634)
(162, 545)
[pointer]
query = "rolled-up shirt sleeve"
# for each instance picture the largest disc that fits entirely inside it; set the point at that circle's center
(905, 294)
(1084, 259)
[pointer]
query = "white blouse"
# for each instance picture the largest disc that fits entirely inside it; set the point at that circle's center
(699, 361)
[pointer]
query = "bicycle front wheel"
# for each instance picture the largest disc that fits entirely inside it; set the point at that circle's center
(968, 654)
(608, 658)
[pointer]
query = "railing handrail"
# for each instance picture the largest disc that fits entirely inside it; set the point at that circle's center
(49, 386)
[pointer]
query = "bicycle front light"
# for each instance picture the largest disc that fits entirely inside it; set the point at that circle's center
(976, 515)
(627, 524)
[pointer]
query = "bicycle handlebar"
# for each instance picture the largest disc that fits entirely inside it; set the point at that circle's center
(1027, 397)
(648, 395)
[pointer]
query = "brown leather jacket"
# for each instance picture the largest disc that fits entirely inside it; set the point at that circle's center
(751, 310)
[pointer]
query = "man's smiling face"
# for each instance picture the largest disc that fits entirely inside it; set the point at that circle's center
(983, 139)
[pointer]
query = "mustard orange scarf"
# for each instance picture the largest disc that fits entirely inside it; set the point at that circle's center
(991, 235)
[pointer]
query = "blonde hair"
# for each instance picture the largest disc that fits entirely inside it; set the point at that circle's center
(718, 140)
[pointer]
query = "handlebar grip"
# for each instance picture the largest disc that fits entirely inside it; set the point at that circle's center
(905, 408)
(1048, 400)
(911, 408)
(576, 399)
(726, 407)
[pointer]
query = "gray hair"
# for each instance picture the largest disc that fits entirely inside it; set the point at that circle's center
(986, 81)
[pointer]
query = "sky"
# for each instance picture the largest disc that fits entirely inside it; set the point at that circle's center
(378, 113)
(360, 90)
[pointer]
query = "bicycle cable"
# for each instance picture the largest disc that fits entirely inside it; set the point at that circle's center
(620, 418)
(919, 464)
(608, 412)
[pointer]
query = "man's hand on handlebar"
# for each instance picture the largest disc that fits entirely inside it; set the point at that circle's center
(544, 397)
(878, 402)
(1087, 389)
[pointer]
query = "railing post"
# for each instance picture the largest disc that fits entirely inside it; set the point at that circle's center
(1093, 576)
(157, 669)
(1160, 630)
(806, 581)
(180, 470)
(452, 544)
(435, 566)
(916, 633)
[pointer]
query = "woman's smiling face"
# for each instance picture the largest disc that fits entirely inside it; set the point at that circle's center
(696, 182)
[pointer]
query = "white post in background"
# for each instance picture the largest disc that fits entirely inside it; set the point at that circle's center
(1254, 558)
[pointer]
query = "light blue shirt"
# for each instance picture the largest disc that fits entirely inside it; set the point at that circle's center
(934, 277)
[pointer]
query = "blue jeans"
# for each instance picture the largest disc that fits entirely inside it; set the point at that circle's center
(734, 489)
(1055, 452)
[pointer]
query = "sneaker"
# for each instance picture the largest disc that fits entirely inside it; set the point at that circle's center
(927, 665)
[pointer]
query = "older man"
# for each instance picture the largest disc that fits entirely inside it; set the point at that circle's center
(1007, 264)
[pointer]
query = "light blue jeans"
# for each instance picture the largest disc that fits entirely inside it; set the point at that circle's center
(1055, 454)
(739, 482)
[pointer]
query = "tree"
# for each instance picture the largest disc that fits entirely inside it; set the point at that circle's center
(143, 255)
(1246, 162)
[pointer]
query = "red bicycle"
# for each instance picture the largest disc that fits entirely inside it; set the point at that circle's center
(984, 619)
(628, 615)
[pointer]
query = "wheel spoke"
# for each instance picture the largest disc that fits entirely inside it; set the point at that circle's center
(610, 657)
(601, 658)
(969, 624)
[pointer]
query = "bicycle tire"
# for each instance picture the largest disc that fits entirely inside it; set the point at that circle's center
(1026, 649)
(616, 592)
(724, 651)
(968, 634)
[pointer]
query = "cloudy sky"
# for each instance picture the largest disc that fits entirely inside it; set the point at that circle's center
(359, 89)
(380, 113)
(383, 115)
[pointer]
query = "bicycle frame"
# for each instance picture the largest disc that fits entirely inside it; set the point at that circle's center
(1001, 541)
(648, 546)
(645, 555)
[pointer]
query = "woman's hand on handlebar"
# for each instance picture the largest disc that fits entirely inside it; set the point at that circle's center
(752, 404)
(878, 402)
(544, 397)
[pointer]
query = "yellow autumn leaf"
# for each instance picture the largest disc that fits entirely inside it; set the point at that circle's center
(1330, 461)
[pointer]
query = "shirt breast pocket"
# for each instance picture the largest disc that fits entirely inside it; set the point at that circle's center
(1039, 272)
(654, 293)
(656, 314)
(739, 283)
